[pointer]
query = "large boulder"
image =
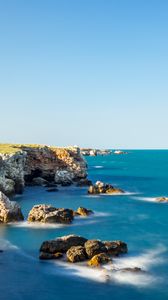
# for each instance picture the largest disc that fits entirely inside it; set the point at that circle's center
(104, 188)
(49, 214)
(10, 211)
(94, 247)
(99, 259)
(76, 254)
(62, 244)
(116, 248)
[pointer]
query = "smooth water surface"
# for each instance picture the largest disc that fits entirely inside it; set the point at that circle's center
(133, 217)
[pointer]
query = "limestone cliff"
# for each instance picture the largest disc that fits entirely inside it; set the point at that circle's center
(23, 163)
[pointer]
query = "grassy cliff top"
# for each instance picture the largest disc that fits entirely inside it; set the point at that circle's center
(14, 148)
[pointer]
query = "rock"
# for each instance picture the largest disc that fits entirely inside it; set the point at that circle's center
(84, 182)
(7, 186)
(103, 188)
(162, 199)
(99, 259)
(50, 190)
(10, 211)
(94, 247)
(120, 152)
(76, 254)
(82, 211)
(62, 244)
(94, 152)
(44, 255)
(64, 177)
(49, 214)
(116, 247)
(134, 270)
(22, 165)
(39, 181)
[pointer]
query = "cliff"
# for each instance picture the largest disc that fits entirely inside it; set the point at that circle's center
(20, 164)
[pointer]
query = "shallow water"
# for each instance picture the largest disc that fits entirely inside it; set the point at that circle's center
(134, 218)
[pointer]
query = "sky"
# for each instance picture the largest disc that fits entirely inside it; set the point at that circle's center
(92, 73)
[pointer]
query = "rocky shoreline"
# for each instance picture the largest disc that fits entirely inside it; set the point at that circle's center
(25, 165)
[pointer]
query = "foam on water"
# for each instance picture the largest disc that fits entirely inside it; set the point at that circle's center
(5, 245)
(37, 225)
(107, 274)
(148, 199)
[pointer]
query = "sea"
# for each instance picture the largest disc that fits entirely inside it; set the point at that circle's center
(134, 217)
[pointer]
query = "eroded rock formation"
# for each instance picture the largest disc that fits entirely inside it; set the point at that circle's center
(10, 211)
(40, 165)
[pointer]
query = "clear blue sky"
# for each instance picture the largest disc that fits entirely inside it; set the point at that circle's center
(86, 72)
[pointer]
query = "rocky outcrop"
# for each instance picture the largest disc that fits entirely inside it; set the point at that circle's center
(76, 254)
(82, 211)
(49, 214)
(118, 152)
(10, 211)
(62, 244)
(78, 249)
(39, 165)
(99, 259)
(104, 188)
(12, 172)
(94, 152)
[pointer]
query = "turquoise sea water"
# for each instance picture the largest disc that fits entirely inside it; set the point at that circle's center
(134, 218)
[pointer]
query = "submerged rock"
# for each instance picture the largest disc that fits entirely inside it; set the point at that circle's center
(76, 254)
(94, 247)
(103, 188)
(52, 189)
(44, 255)
(99, 259)
(62, 244)
(10, 211)
(162, 199)
(49, 214)
(82, 211)
(134, 270)
(116, 248)
(39, 181)
(84, 182)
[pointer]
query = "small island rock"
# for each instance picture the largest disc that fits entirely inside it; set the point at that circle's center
(103, 188)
